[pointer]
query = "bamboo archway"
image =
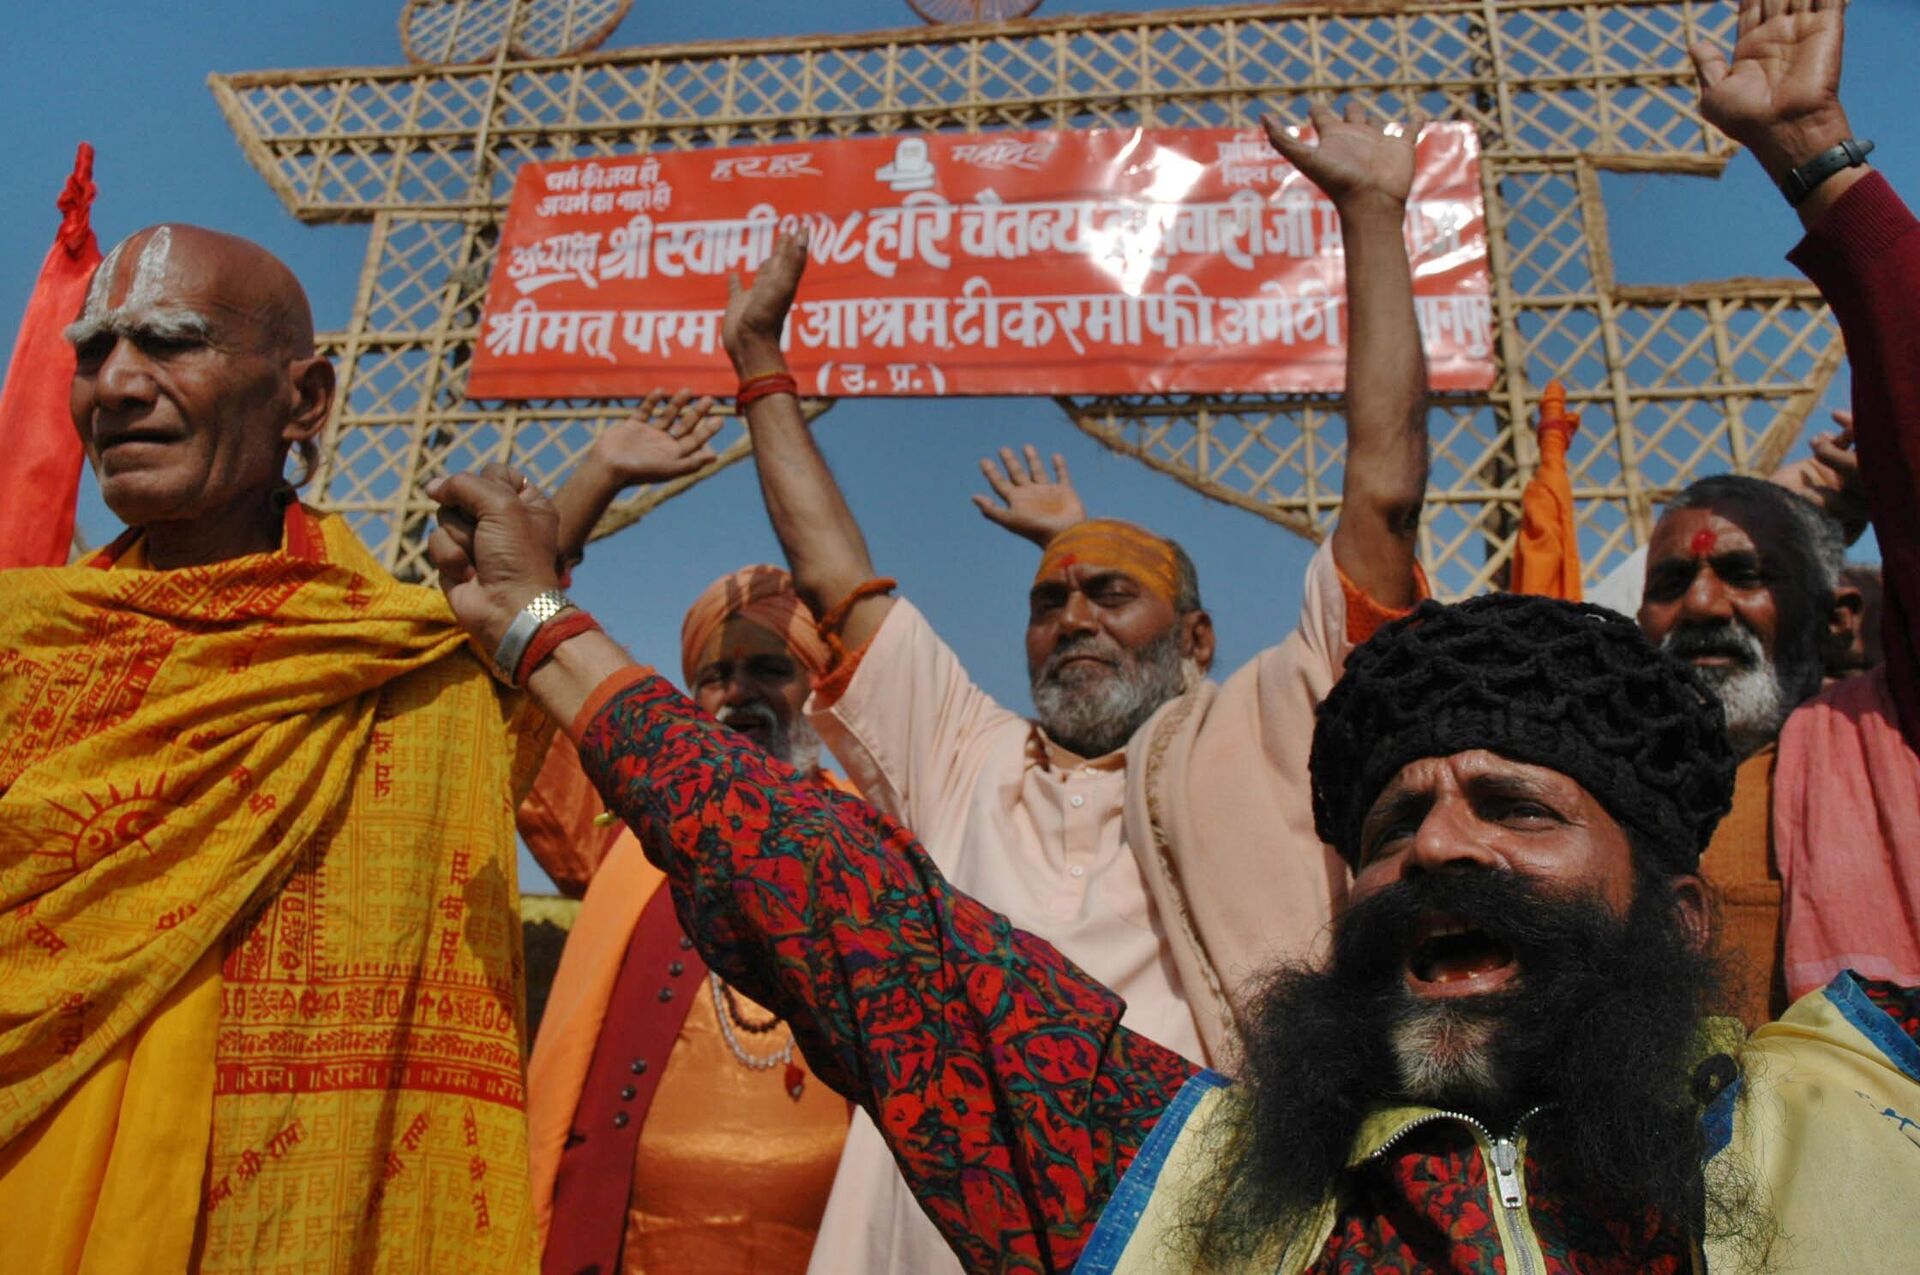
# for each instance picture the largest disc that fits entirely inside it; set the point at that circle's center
(1671, 381)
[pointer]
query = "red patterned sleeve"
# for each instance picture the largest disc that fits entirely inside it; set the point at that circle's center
(997, 1069)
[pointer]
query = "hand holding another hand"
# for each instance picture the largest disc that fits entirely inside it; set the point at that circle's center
(494, 547)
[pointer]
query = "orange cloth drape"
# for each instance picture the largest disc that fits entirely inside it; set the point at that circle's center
(256, 857)
(39, 451)
(1546, 560)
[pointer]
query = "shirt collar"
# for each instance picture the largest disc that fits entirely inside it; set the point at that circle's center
(1051, 756)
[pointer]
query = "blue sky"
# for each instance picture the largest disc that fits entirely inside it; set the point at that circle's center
(130, 78)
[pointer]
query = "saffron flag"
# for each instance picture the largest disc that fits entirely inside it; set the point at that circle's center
(40, 475)
(1546, 559)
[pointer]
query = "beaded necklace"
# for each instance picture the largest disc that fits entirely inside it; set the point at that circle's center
(727, 1009)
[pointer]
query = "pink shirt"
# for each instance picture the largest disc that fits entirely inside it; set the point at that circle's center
(1037, 833)
(1846, 828)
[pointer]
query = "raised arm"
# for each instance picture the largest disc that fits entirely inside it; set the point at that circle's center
(998, 1071)
(825, 550)
(1367, 171)
(1779, 96)
(664, 438)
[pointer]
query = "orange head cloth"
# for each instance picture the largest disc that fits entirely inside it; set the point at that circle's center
(1117, 546)
(763, 595)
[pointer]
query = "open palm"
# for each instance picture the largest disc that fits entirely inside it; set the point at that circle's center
(1037, 507)
(1353, 158)
(755, 315)
(664, 438)
(1780, 93)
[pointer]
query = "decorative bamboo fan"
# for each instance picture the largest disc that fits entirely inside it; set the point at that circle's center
(462, 32)
(560, 28)
(942, 11)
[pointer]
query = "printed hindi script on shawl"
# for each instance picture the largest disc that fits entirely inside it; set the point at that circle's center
(1097, 262)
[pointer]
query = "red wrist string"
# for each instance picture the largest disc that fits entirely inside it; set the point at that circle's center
(755, 388)
(555, 631)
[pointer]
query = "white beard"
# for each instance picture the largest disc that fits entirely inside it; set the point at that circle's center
(797, 745)
(1440, 1049)
(1094, 716)
(1754, 705)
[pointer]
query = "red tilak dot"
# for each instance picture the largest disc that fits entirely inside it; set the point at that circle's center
(1702, 543)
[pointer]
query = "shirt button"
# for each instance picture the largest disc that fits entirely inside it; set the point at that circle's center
(1077, 870)
(638, 1066)
(1077, 799)
(620, 1119)
(666, 994)
(627, 1092)
(677, 968)
(686, 944)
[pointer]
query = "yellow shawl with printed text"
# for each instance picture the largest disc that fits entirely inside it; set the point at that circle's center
(256, 842)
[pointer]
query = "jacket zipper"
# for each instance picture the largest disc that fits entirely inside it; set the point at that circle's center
(1506, 1171)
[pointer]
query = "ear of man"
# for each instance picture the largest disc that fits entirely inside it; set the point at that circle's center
(1197, 638)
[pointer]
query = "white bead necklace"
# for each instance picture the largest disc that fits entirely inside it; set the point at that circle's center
(751, 1061)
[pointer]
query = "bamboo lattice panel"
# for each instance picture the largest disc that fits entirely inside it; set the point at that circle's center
(1672, 382)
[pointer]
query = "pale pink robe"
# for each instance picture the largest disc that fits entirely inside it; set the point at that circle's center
(1207, 813)
(1846, 828)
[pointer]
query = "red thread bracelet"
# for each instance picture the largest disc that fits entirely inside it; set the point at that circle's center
(555, 631)
(755, 388)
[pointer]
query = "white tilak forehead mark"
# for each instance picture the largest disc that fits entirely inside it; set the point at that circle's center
(149, 269)
(96, 308)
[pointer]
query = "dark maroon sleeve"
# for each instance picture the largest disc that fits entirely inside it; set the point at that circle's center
(1865, 256)
(996, 1069)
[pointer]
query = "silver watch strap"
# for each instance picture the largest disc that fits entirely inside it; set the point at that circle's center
(519, 635)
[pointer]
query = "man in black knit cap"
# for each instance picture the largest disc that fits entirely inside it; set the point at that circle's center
(1508, 1062)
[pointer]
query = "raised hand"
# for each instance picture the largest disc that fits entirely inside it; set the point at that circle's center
(1036, 507)
(756, 316)
(1780, 95)
(664, 438)
(494, 547)
(1358, 162)
(1830, 478)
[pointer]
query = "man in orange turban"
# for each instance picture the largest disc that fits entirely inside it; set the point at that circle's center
(673, 1125)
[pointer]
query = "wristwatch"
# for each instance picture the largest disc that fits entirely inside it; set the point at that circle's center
(1800, 182)
(520, 634)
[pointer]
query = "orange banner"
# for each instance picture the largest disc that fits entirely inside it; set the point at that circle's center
(1102, 262)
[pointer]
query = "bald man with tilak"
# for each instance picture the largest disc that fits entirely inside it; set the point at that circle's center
(260, 970)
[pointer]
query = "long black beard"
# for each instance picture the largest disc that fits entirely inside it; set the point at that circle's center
(1603, 1025)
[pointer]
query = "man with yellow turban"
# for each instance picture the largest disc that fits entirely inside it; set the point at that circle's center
(260, 1003)
(1156, 827)
(673, 1125)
